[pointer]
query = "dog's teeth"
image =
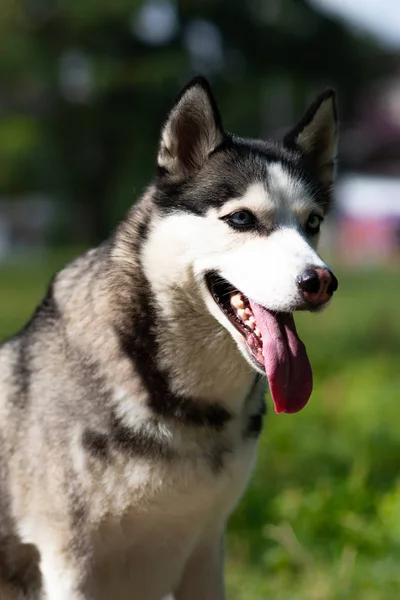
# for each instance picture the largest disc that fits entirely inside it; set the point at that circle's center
(248, 312)
(242, 314)
(237, 301)
(257, 332)
(252, 320)
(250, 324)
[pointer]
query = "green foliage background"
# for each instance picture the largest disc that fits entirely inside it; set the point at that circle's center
(322, 517)
(92, 155)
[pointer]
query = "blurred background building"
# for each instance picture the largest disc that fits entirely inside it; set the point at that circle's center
(85, 86)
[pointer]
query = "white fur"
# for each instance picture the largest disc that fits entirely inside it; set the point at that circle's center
(256, 198)
(59, 579)
(263, 267)
(170, 533)
(171, 513)
(266, 270)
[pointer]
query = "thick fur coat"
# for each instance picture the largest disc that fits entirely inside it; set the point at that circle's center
(130, 405)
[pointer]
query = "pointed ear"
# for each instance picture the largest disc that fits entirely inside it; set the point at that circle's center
(192, 131)
(316, 135)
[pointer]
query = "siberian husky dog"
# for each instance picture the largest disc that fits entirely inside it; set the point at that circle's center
(131, 403)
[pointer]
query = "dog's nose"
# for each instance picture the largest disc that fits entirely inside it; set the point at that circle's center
(317, 285)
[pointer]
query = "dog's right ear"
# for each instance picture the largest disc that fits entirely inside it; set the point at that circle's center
(316, 136)
(192, 131)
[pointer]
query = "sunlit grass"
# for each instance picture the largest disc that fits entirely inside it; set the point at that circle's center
(321, 519)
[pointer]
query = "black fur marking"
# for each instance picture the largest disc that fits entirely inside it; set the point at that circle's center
(162, 400)
(228, 174)
(138, 339)
(255, 421)
(22, 373)
(95, 443)
(143, 231)
(138, 442)
(254, 426)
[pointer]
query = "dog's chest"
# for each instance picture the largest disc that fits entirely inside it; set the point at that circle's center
(152, 514)
(192, 490)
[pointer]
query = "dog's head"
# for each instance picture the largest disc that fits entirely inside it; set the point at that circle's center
(239, 227)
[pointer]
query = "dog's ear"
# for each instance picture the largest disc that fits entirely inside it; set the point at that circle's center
(316, 135)
(192, 131)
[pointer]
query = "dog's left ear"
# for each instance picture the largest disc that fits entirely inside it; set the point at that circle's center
(316, 135)
(192, 131)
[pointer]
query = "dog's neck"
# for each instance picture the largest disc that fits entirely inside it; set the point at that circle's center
(169, 332)
(199, 354)
(150, 333)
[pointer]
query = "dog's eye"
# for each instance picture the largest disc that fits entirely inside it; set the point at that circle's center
(241, 219)
(313, 224)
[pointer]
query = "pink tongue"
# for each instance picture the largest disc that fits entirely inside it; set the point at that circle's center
(286, 362)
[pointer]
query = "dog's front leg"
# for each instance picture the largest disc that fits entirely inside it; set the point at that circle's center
(62, 578)
(203, 577)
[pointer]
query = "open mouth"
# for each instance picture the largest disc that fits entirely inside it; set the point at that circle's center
(237, 309)
(272, 344)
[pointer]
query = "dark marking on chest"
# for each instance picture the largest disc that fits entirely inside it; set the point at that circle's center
(143, 442)
(137, 328)
(136, 442)
(96, 443)
(139, 441)
(141, 345)
(189, 411)
(257, 408)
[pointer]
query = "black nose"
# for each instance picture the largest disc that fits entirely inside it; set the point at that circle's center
(309, 281)
(313, 280)
(317, 284)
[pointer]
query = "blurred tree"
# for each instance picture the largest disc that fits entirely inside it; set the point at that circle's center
(84, 86)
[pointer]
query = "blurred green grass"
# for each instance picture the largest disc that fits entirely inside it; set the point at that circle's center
(321, 518)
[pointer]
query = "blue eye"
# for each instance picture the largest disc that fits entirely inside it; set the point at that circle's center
(241, 220)
(313, 224)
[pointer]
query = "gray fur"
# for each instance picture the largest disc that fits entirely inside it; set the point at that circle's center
(128, 417)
